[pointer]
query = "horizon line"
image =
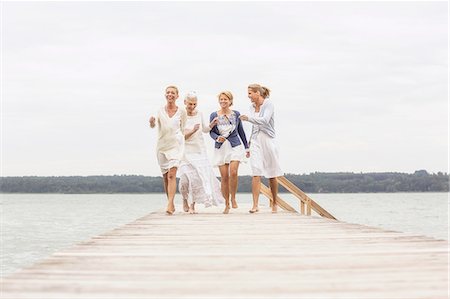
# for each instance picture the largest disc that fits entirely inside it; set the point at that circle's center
(316, 172)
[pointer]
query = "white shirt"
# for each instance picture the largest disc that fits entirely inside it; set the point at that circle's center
(195, 143)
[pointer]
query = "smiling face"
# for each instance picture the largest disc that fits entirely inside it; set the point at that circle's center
(224, 101)
(191, 104)
(253, 95)
(171, 94)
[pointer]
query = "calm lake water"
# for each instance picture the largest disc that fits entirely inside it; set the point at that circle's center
(34, 226)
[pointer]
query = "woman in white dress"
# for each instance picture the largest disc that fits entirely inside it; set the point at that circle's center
(230, 147)
(170, 121)
(264, 158)
(198, 183)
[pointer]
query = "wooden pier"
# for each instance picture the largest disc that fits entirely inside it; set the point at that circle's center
(240, 255)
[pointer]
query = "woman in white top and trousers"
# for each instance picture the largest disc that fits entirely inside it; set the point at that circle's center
(198, 183)
(170, 121)
(264, 158)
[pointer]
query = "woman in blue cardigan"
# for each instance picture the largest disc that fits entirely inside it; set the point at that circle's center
(229, 150)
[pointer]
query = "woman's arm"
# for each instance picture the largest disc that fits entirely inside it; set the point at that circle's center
(241, 132)
(206, 127)
(183, 119)
(265, 119)
(188, 133)
(214, 133)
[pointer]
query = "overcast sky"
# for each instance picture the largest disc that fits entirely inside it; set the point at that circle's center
(357, 86)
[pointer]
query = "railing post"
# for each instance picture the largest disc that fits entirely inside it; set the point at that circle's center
(304, 199)
(308, 206)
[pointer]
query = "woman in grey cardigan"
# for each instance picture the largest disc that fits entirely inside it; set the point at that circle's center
(264, 159)
(230, 147)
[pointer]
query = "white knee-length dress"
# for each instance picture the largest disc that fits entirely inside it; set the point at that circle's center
(264, 156)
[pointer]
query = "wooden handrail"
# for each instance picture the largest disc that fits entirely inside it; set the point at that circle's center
(284, 205)
(304, 198)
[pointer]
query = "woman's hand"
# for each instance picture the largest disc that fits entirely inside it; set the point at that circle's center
(243, 117)
(189, 133)
(214, 122)
(195, 129)
(221, 139)
(247, 154)
(152, 121)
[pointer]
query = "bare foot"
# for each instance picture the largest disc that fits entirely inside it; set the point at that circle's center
(274, 209)
(234, 204)
(227, 210)
(254, 210)
(192, 209)
(170, 209)
(185, 205)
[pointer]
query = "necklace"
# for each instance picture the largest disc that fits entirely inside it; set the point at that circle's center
(225, 112)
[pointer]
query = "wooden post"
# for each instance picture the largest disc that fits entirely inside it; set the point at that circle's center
(308, 206)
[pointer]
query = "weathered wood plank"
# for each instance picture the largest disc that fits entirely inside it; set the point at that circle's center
(240, 255)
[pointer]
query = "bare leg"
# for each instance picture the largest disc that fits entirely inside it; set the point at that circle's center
(225, 186)
(183, 186)
(256, 188)
(185, 205)
(165, 183)
(234, 166)
(171, 189)
(274, 189)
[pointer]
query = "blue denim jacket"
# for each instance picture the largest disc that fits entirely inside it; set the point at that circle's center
(233, 138)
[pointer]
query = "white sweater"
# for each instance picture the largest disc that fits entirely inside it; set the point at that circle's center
(265, 121)
(170, 133)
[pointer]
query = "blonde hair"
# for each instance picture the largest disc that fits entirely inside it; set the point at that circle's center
(263, 91)
(172, 86)
(228, 94)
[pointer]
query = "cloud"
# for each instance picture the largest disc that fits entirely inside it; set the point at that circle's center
(357, 86)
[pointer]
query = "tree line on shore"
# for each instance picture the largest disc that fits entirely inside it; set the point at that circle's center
(317, 182)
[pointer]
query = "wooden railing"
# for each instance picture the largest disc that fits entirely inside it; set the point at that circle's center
(306, 203)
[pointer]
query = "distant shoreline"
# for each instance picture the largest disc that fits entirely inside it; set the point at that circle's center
(318, 182)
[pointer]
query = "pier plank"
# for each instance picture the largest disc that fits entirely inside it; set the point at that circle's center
(240, 255)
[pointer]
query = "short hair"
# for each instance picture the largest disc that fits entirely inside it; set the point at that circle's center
(191, 95)
(228, 94)
(172, 86)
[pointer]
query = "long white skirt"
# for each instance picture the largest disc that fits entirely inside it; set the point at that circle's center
(226, 153)
(264, 158)
(198, 183)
